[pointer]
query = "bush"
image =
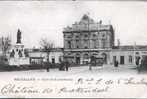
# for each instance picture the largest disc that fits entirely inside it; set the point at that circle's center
(6, 67)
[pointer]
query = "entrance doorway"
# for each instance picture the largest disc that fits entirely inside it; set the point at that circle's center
(77, 60)
(122, 60)
(53, 60)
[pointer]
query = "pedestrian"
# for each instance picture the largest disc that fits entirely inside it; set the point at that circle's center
(92, 62)
(66, 65)
(61, 66)
(115, 63)
(137, 61)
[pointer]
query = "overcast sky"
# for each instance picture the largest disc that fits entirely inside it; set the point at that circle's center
(38, 19)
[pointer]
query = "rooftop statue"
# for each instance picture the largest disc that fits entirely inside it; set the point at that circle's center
(18, 36)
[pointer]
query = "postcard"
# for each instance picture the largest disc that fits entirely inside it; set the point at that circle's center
(73, 49)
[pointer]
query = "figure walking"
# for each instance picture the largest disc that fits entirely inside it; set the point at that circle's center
(92, 62)
(115, 63)
(66, 65)
(61, 67)
(137, 61)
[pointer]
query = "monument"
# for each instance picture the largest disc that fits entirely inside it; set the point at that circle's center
(18, 36)
(18, 54)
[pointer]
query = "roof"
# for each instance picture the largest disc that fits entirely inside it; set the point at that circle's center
(87, 24)
(131, 47)
(41, 50)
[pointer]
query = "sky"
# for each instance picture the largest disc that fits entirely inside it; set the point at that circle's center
(46, 19)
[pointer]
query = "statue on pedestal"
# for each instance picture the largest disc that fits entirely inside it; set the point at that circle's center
(18, 36)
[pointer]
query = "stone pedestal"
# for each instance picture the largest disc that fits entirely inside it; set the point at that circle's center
(18, 55)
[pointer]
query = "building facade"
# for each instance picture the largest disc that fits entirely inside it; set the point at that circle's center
(82, 40)
(128, 55)
(88, 38)
(38, 56)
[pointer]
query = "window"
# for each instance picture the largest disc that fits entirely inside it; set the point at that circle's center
(77, 36)
(53, 60)
(86, 35)
(85, 47)
(103, 43)
(69, 44)
(85, 56)
(94, 43)
(94, 35)
(77, 43)
(130, 59)
(86, 44)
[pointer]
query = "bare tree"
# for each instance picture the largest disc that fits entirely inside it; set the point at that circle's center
(5, 44)
(47, 46)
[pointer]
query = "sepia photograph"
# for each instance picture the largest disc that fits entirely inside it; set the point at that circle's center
(73, 49)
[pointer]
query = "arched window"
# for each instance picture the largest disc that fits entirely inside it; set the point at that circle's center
(85, 56)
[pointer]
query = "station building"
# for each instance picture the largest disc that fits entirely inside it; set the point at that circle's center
(88, 38)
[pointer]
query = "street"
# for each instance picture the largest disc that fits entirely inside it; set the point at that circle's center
(76, 71)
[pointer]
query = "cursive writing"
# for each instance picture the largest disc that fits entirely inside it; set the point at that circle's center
(13, 89)
(83, 90)
(134, 82)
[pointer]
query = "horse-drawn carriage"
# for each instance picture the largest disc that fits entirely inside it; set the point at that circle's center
(96, 61)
